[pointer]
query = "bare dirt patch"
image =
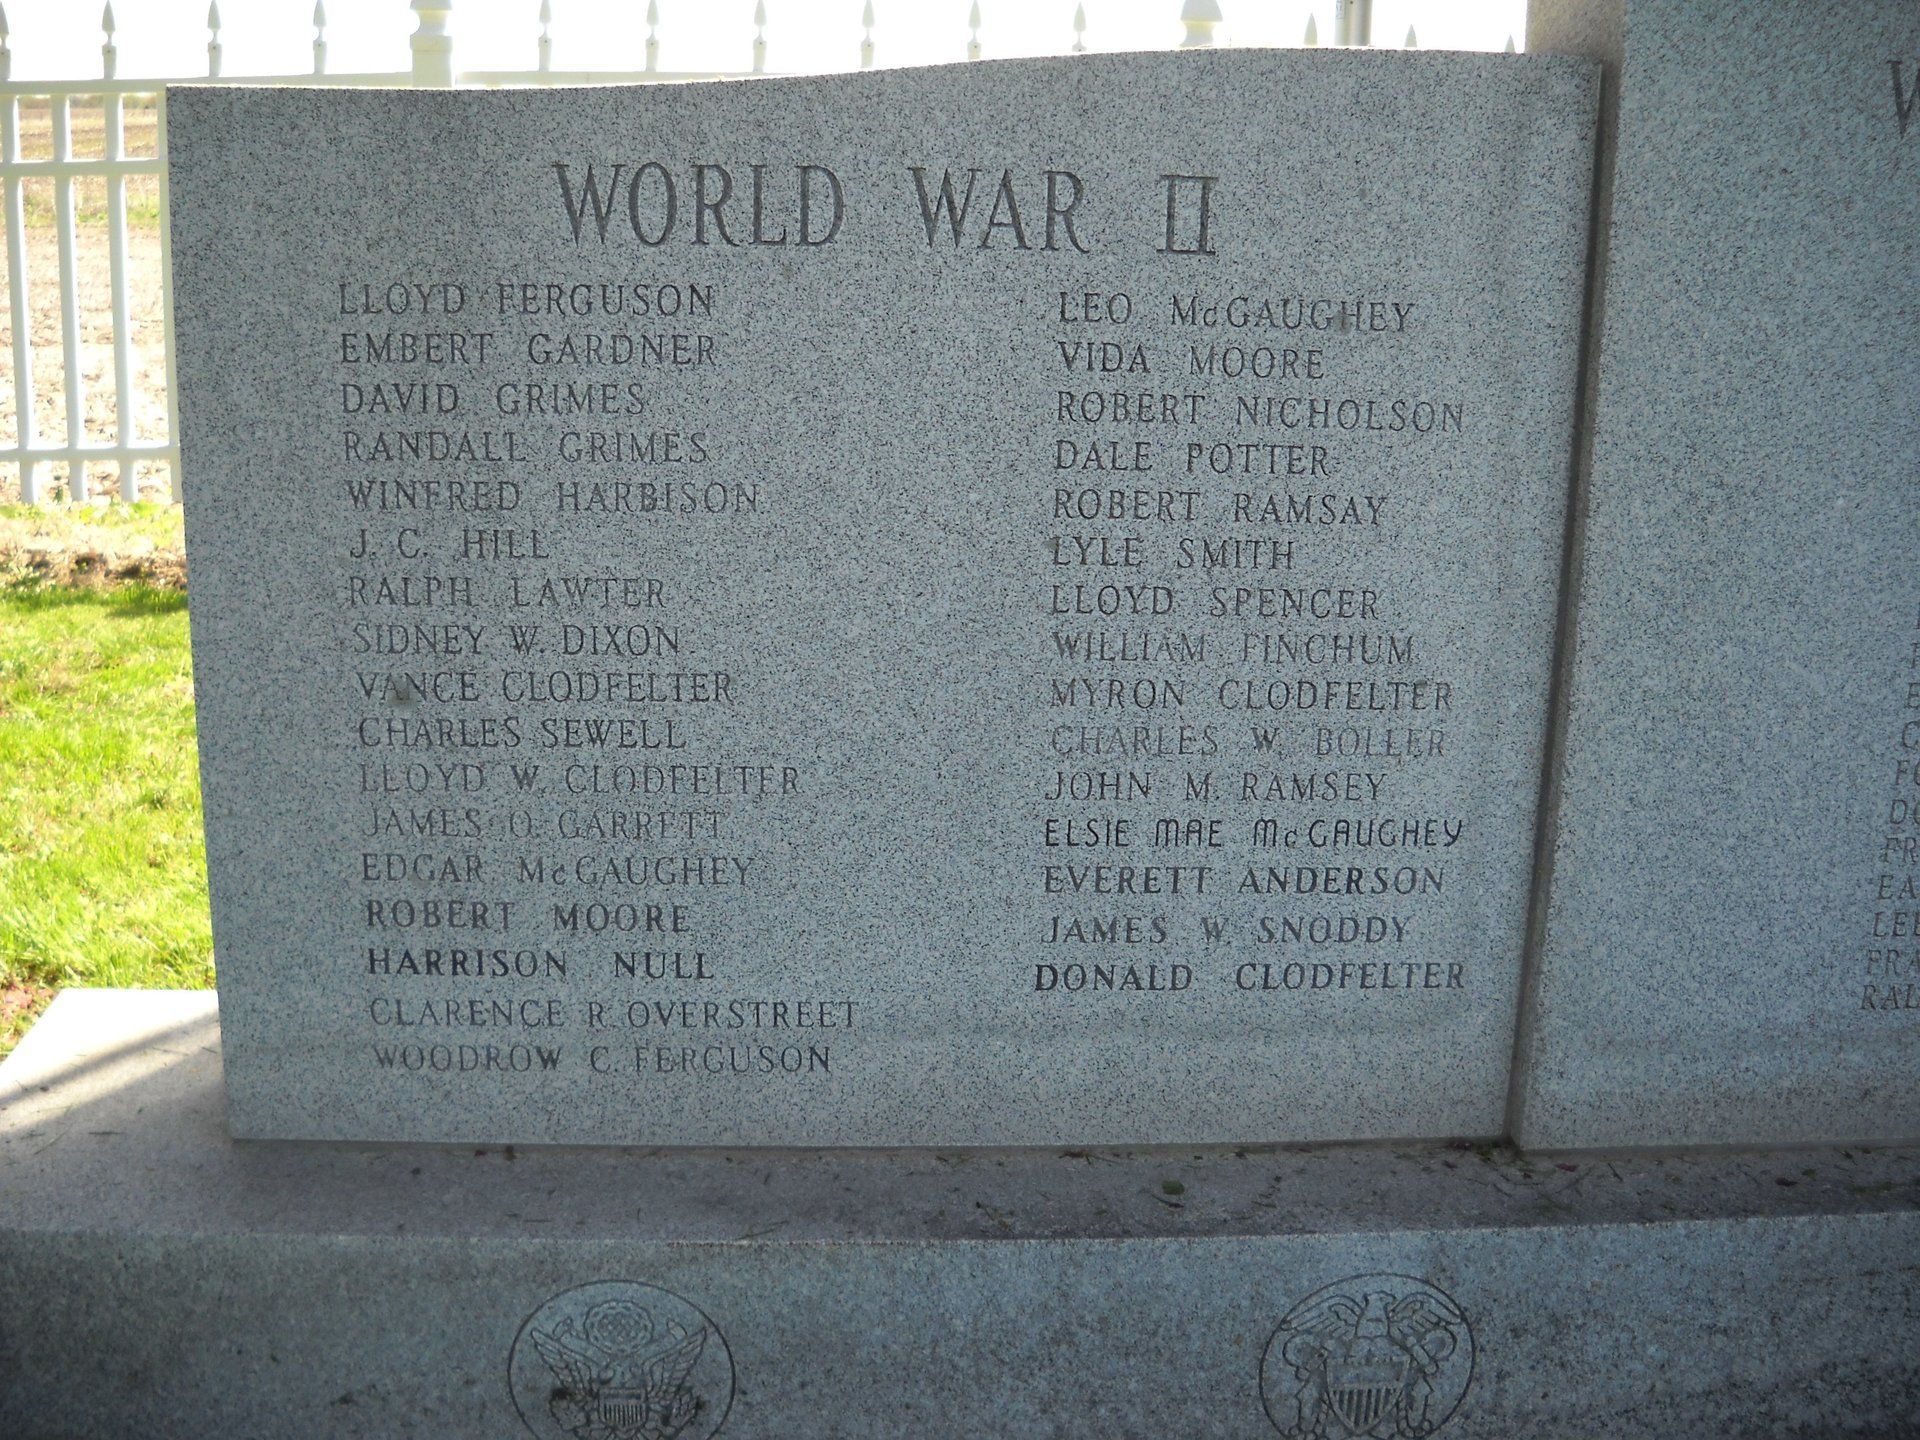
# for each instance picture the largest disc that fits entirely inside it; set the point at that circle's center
(20, 1006)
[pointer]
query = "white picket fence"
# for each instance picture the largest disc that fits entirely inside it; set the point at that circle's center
(119, 446)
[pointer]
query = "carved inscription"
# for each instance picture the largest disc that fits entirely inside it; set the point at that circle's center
(1892, 979)
(867, 627)
(549, 795)
(1244, 704)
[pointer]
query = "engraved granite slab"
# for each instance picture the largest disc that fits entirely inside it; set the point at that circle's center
(1732, 946)
(1003, 604)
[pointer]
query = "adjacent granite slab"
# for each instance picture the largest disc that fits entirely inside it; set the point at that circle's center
(158, 1279)
(1006, 603)
(1730, 945)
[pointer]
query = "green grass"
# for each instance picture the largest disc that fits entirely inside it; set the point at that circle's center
(103, 877)
(147, 521)
(143, 211)
(159, 522)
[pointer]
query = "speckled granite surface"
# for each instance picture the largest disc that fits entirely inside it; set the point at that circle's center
(1731, 953)
(1052, 676)
(159, 1279)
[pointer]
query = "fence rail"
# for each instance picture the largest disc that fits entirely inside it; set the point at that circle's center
(117, 443)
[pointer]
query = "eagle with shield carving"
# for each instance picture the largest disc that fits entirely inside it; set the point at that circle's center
(620, 1375)
(1367, 1368)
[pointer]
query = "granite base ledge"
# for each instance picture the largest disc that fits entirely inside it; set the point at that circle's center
(158, 1279)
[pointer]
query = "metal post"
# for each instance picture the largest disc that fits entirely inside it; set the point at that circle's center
(1199, 17)
(1353, 22)
(433, 45)
(65, 236)
(166, 303)
(126, 433)
(25, 421)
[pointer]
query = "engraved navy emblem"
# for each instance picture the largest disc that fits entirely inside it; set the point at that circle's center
(618, 1360)
(1371, 1357)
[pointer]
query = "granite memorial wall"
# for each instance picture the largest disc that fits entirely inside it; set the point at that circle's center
(1091, 607)
(1728, 904)
(977, 605)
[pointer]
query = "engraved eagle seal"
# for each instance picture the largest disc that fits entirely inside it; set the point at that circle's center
(1371, 1357)
(620, 1360)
